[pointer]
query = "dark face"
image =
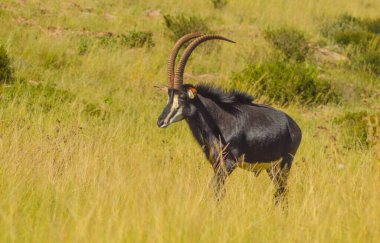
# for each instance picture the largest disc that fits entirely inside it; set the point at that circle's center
(175, 110)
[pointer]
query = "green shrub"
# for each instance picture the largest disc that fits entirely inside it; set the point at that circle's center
(358, 128)
(360, 38)
(346, 30)
(134, 39)
(291, 42)
(353, 37)
(284, 82)
(342, 24)
(109, 41)
(181, 25)
(219, 4)
(365, 54)
(373, 25)
(137, 39)
(6, 71)
(367, 58)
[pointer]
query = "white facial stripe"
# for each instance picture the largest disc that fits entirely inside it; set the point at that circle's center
(177, 116)
(172, 109)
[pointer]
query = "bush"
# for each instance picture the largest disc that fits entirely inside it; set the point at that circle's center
(361, 39)
(136, 39)
(343, 24)
(219, 4)
(6, 71)
(291, 42)
(359, 128)
(347, 30)
(373, 25)
(353, 37)
(285, 82)
(109, 41)
(181, 25)
(366, 55)
(367, 58)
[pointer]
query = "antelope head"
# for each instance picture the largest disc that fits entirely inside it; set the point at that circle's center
(180, 95)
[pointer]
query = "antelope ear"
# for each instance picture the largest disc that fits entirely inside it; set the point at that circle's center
(161, 88)
(191, 92)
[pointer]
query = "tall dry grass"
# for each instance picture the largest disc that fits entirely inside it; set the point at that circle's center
(66, 175)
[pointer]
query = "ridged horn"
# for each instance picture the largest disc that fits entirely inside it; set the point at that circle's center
(178, 80)
(174, 53)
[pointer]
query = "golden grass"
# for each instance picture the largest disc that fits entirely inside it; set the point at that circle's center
(65, 176)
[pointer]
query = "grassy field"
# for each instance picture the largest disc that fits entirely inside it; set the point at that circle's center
(82, 159)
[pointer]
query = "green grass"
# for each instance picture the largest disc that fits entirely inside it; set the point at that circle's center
(82, 159)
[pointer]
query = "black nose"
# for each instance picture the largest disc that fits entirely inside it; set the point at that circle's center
(160, 122)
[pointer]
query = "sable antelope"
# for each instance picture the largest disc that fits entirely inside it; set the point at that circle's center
(231, 129)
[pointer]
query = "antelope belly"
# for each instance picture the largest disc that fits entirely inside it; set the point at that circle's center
(255, 167)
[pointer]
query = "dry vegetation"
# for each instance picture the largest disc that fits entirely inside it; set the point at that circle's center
(82, 159)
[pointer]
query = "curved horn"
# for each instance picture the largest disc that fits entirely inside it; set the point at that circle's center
(178, 81)
(173, 55)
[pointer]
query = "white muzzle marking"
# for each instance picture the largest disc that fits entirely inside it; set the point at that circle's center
(169, 119)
